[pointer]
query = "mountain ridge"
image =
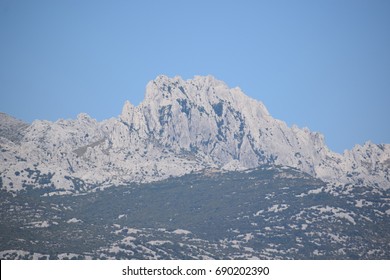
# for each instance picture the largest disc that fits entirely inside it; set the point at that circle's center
(180, 127)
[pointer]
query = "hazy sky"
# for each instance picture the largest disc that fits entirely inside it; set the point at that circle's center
(320, 64)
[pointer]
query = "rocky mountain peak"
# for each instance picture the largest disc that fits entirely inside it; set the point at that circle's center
(180, 127)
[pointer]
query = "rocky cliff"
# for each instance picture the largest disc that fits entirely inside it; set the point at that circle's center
(179, 128)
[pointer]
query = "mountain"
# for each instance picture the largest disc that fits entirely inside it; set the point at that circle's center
(196, 171)
(179, 128)
(270, 212)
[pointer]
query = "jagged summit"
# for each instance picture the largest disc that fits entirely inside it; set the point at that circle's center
(198, 89)
(181, 126)
(205, 115)
(202, 92)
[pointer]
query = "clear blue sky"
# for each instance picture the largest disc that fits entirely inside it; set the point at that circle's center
(321, 64)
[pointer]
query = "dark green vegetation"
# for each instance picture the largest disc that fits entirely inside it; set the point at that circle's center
(267, 213)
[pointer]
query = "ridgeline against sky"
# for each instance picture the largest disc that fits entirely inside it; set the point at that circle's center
(320, 64)
(182, 126)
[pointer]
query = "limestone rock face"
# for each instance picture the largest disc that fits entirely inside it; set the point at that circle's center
(180, 127)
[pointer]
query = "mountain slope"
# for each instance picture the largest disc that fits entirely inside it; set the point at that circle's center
(11, 128)
(270, 212)
(180, 127)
